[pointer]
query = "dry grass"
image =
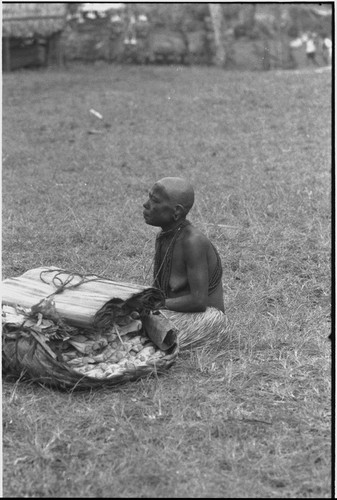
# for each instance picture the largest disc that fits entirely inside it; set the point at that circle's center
(250, 419)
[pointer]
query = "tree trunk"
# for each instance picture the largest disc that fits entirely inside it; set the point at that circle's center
(218, 28)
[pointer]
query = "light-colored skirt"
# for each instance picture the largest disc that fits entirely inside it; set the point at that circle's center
(198, 329)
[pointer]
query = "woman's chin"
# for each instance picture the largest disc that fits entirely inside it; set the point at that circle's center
(147, 220)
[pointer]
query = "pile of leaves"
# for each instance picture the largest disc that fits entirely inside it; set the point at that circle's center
(90, 353)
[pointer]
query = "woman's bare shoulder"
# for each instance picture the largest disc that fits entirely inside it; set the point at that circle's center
(195, 237)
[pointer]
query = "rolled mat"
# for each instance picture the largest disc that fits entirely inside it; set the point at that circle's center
(78, 299)
(198, 329)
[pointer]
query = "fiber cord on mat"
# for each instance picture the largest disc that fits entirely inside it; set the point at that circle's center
(61, 285)
(64, 284)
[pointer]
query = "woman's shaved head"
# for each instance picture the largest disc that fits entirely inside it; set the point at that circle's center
(178, 190)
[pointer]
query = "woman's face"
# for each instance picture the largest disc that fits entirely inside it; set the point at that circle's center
(159, 208)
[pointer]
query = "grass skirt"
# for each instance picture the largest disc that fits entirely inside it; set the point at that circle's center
(199, 328)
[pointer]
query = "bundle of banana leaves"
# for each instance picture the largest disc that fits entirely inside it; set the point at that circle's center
(77, 332)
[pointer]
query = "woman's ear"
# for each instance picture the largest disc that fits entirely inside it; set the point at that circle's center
(179, 212)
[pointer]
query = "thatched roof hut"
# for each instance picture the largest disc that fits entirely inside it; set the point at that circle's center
(24, 26)
(25, 19)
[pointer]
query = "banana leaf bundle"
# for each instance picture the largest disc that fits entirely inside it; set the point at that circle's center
(78, 332)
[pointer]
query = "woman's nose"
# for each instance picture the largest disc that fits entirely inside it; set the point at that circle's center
(146, 204)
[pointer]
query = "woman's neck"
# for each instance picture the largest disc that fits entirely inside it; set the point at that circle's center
(170, 228)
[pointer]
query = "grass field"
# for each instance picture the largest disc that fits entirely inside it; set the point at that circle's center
(251, 419)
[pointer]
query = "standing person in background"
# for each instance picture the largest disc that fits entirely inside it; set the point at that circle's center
(310, 49)
(327, 50)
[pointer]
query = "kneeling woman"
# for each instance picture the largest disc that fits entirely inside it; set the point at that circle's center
(187, 266)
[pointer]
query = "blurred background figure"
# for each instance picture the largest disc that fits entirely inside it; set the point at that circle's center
(327, 50)
(294, 45)
(310, 48)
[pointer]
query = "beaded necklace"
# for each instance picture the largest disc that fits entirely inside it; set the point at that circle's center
(162, 267)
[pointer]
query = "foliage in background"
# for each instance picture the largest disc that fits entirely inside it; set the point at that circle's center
(188, 33)
(265, 27)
